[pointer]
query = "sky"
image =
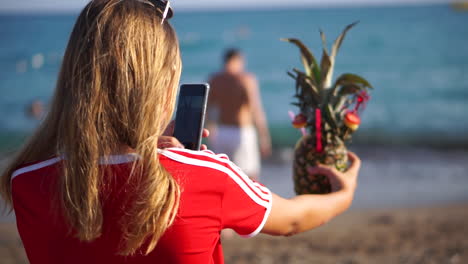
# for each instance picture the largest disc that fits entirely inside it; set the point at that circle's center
(75, 5)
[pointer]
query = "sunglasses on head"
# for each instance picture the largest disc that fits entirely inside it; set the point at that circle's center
(163, 6)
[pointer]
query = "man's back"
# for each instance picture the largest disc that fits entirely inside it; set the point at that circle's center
(230, 96)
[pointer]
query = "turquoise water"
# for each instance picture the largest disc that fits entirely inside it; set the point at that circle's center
(416, 58)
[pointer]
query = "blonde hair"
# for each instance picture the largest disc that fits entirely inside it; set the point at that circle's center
(117, 86)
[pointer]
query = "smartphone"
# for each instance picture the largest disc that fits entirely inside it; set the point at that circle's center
(190, 114)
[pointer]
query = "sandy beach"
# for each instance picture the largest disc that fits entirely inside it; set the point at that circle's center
(413, 235)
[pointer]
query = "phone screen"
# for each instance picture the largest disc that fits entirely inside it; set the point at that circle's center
(190, 116)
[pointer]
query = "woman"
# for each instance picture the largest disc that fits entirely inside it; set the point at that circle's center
(91, 185)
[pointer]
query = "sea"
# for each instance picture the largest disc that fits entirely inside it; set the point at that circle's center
(416, 58)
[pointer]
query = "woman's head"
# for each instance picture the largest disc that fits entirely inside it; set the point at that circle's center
(121, 70)
(117, 87)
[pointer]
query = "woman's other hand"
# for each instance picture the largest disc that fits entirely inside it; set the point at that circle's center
(167, 140)
(205, 134)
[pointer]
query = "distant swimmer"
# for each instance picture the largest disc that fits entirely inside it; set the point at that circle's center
(35, 110)
(236, 115)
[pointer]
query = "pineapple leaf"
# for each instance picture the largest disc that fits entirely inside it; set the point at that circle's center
(308, 84)
(325, 64)
(299, 72)
(310, 97)
(313, 88)
(330, 117)
(305, 76)
(324, 40)
(326, 67)
(290, 74)
(295, 78)
(307, 66)
(300, 91)
(350, 79)
(350, 88)
(334, 51)
(308, 59)
(339, 140)
(340, 103)
(298, 86)
(317, 74)
(337, 44)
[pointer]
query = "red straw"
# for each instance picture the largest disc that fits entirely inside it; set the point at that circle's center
(318, 130)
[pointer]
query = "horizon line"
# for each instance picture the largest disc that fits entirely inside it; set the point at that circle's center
(261, 7)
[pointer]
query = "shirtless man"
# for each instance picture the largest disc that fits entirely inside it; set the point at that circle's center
(235, 107)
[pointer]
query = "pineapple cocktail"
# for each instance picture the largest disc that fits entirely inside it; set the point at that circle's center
(329, 114)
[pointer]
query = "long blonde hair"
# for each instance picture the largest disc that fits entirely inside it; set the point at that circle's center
(117, 86)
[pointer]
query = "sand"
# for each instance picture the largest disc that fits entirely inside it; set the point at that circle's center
(11, 249)
(412, 235)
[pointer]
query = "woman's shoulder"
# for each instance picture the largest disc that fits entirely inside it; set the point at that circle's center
(211, 168)
(203, 158)
(205, 161)
(35, 166)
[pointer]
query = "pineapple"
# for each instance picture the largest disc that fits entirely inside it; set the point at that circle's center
(329, 112)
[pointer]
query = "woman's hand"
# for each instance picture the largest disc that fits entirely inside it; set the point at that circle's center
(308, 211)
(340, 180)
(168, 141)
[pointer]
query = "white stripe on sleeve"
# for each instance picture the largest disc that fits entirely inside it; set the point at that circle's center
(264, 199)
(220, 158)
